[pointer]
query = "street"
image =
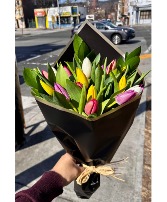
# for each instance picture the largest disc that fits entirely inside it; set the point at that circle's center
(37, 50)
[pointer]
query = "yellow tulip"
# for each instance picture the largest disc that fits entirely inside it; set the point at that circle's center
(122, 82)
(81, 77)
(47, 88)
(91, 93)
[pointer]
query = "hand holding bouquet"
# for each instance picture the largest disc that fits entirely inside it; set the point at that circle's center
(89, 99)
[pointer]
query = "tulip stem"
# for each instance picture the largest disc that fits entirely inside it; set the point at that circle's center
(73, 107)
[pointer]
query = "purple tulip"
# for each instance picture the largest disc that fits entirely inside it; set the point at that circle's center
(125, 96)
(91, 107)
(58, 88)
(67, 71)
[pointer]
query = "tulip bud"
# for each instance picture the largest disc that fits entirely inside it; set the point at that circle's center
(138, 89)
(91, 107)
(67, 71)
(47, 88)
(87, 67)
(45, 74)
(79, 84)
(111, 66)
(81, 77)
(58, 88)
(91, 93)
(125, 96)
(122, 82)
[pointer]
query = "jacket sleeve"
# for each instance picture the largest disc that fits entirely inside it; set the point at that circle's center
(49, 186)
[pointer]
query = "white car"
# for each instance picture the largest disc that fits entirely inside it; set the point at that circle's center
(119, 23)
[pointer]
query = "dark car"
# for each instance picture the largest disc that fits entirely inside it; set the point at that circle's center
(117, 34)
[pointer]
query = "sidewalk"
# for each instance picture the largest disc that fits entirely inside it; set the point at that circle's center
(35, 31)
(41, 151)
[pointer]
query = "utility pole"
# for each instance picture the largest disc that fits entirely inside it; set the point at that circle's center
(19, 115)
(58, 13)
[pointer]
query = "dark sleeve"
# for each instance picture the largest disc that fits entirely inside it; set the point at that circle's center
(48, 187)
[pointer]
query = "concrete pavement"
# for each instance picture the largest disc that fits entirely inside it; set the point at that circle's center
(41, 150)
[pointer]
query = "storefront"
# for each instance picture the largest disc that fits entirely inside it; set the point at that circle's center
(41, 18)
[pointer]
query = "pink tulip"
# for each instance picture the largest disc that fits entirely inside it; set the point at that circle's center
(111, 66)
(91, 107)
(58, 88)
(45, 74)
(67, 71)
(79, 84)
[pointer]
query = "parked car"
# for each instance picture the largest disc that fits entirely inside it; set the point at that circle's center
(117, 34)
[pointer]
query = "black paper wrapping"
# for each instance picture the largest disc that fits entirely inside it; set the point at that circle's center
(90, 141)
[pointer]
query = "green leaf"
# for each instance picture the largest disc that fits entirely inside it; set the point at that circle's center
(30, 77)
(126, 55)
(61, 76)
(83, 51)
(76, 43)
(134, 53)
(35, 92)
(108, 91)
(91, 55)
(47, 97)
(73, 90)
(69, 65)
(51, 74)
(120, 64)
(133, 63)
(132, 77)
(98, 77)
(61, 100)
(116, 85)
(141, 78)
(82, 100)
(93, 73)
(111, 99)
(78, 61)
(97, 59)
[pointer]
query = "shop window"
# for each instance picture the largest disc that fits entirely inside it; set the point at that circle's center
(65, 20)
(145, 14)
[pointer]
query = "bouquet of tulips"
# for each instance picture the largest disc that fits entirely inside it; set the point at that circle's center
(89, 101)
(88, 87)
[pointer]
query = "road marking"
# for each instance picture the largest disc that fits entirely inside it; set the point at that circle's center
(145, 56)
(33, 57)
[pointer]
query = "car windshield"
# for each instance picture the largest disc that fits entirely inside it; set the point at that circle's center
(111, 25)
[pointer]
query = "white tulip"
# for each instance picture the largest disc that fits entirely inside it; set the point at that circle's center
(87, 67)
(137, 89)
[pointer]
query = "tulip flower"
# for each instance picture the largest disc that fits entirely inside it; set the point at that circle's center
(79, 84)
(122, 82)
(91, 107)
(58, 88)
(47, 88)
(81, 77)
(111, 66)
(138, 89)
(91, 93)
(125, 96)
(87, 67)
(67, 71)
(45, 74)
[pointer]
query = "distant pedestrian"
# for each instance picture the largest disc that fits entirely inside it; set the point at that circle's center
(51, 184)
(53, 22)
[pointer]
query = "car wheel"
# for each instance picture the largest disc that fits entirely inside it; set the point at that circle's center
(116, 39)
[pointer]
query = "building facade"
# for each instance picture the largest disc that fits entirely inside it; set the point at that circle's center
(140, 12)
